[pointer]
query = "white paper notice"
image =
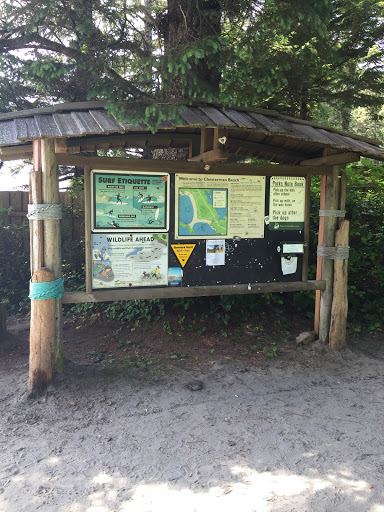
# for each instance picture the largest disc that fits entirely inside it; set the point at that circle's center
(289, 265)
(215, 252)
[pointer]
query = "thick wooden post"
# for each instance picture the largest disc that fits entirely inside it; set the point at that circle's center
(35, 197)
(319, 265)
(337, 333)
(42, 337)
(87, 226)
(46, 315)
(330, 224)
(52, 236)
(307, 210)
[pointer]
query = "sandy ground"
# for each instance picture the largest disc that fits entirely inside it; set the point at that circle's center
(288, 434)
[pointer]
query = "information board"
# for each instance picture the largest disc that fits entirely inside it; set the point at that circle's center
(286, 203)
(123, 261)
(219, 230)
(131, 201)
(211, 206)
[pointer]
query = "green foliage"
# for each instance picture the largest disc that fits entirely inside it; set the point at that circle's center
(297, 58)
(14, 263)
(76, 186)
(290, 55)
(135, 311)
(368, 122)
(270, 351)
(365, 210)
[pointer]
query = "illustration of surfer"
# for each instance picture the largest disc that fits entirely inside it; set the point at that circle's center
(110, 212)
(147, 199)
(113, 224)
(118, 200)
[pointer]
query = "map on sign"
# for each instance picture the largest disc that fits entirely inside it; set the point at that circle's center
(203, 212)
(209, 206)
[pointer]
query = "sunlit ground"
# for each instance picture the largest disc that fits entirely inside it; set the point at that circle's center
(275, 491)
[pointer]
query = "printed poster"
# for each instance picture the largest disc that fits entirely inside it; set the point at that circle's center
(175, 277)
(129, 201)
(215, 252)
(214, 206)
(286, 203)
(124, 261)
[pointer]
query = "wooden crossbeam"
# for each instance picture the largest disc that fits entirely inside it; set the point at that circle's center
(210, 157)
(16, 152)
(173, 166)
(340, 158)
(259, 147)
(196, 291)
(139, 140)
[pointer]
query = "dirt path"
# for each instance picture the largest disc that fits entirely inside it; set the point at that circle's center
(302, 433)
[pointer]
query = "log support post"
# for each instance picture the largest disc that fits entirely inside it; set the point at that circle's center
(332, 201)
(46, 354)
(338, 328)
(42, 337)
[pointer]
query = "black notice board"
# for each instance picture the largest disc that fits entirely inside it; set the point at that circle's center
(246, 261)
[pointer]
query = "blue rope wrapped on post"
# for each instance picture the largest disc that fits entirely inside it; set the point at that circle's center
(47, 290)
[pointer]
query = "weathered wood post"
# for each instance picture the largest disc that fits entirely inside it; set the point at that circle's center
(35, 197)
(42, 336)
(337, 333)
(330, 224)
(52, 235)
(319, 262)
(45, 353)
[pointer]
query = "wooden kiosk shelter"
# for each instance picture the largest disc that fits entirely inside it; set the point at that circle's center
(61, 134)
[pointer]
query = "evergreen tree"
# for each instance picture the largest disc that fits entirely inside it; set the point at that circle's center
(290, 55)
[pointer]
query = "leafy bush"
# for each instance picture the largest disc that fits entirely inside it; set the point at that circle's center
(14, 263)
(365, 210)
(134, 311)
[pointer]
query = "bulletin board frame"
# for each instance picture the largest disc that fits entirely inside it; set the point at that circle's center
(134, 293)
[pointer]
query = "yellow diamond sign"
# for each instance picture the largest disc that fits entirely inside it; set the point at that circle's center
(183, 252)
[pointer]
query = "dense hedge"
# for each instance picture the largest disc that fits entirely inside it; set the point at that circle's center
(14, 263)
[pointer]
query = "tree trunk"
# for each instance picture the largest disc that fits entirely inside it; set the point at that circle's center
(345, 118)
(187, 22)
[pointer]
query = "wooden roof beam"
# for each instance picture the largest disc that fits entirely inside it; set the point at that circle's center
(210, 157)
(175, 166)
(140, 140)
(16, 152)
(259, 147)
(338, 159)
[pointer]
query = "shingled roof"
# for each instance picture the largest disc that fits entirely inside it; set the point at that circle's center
(251, 132)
